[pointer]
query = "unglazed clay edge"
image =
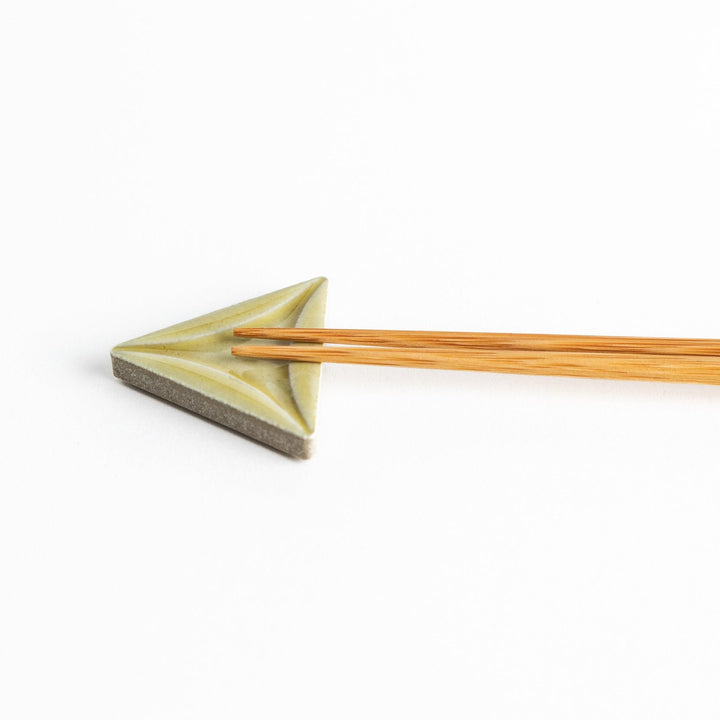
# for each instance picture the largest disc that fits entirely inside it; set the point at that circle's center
(212, 409)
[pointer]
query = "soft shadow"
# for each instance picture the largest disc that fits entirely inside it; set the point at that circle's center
(96, 365)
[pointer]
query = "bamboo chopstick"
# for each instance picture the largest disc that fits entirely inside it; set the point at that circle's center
(490, 341)
(608, 365)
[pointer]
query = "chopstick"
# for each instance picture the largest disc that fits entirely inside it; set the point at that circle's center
(609, 365)
(489, 341)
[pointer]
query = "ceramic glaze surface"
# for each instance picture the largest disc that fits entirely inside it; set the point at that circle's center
(196, 355)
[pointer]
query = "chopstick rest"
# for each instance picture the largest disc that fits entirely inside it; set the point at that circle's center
(190, 365)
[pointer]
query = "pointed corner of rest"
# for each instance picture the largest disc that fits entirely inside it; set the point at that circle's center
(115, 359)
(124, 353)
(119, 357)
(120, 351)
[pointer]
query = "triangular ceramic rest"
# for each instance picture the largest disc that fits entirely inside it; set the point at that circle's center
(190, 364)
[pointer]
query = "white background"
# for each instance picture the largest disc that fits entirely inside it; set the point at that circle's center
(462, 545)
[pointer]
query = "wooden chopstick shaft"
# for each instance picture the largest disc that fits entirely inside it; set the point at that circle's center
(616, 366)
(490, 341)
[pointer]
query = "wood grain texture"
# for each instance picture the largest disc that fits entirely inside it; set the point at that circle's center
(489, 341)
(607, 365)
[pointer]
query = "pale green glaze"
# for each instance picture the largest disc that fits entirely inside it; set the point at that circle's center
(196, 355)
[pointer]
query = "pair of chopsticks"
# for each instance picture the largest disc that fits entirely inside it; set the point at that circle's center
(619, 358)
